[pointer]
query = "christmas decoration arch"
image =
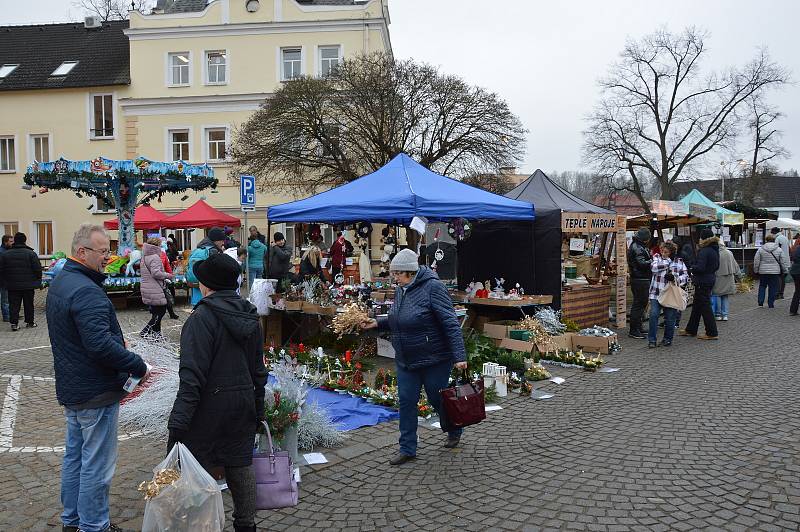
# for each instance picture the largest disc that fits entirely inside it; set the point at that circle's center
(129, 183)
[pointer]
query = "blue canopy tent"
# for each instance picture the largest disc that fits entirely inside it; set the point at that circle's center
(398, 192)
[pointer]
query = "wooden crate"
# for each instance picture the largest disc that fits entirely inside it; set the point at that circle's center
(587, 305)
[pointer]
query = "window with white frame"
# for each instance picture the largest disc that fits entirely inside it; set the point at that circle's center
(291, 63)
(64, 68)
(40, 148)
(330, 141)
(179, 144)
(9, 228)
(5, 70)
(105, 204)
(102, 116)
(44, 237)
(178, 67)
(8, 162)
(217, 67)
(329, 59)
(216, 141)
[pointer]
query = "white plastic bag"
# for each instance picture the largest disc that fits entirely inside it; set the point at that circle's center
(193, 502)
(260, 294)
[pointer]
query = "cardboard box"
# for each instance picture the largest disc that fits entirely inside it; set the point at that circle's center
(517, 345)
(563, 342)
(593, 344)
(498, 329)
(294, 305)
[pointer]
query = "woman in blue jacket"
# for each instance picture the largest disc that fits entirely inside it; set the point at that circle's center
(255, 261)
(427, 340)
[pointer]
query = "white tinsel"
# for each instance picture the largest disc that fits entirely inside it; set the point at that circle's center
(316, 429)
(149, 411)
(551, 321)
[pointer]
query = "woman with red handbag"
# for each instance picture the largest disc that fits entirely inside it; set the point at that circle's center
(427, 340)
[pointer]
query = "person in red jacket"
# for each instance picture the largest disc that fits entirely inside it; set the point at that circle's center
(339, 251)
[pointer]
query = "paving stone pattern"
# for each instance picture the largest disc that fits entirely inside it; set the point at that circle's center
(702, 435)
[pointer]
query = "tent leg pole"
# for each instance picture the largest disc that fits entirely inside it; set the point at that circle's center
(266, 264)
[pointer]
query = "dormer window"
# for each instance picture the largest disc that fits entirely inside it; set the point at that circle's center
(64, 69)
(5, 70)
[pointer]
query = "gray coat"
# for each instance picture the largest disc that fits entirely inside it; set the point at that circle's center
(725, 284)
(769, 258)
(153, 276)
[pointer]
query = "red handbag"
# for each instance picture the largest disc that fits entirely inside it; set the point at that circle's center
(462, 405)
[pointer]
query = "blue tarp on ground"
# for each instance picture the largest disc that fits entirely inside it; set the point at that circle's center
(349, 413)
(398, 192)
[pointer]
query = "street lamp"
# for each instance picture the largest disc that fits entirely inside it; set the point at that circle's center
(722, 164)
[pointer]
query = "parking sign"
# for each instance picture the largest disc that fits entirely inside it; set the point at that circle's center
(247, 192)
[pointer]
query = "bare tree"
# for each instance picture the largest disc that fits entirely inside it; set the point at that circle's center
(498, 182)
(766, 137)
(321, 132)
(659, 115)
(111, 9)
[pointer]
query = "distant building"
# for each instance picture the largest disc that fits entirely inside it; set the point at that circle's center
(624, 203)
(777, 194)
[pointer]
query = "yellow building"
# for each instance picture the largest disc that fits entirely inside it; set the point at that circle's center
(170, 85)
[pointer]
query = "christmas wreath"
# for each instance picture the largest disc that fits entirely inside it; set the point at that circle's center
(459, 229)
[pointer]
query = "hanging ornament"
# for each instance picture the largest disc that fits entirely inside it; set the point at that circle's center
(459, 229)
(439, 255)
(364, 229)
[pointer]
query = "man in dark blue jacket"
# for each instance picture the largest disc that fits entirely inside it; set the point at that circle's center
(427, 341)
(704, 276)
(6, 245)
(91, 366)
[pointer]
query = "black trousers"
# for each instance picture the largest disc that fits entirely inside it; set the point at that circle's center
(156, 314)
(796, 297)
(641, 291)
(781, 285)
(701, 307)
(16, 299)
(171, 289)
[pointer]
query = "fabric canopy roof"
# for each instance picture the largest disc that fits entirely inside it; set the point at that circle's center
(398, 192)
(146, 217)
(726, 216)
(784, 223)
(202, 216)
(539, 190)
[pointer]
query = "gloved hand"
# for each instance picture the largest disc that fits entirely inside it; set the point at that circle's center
(670, 277)
(175, 436)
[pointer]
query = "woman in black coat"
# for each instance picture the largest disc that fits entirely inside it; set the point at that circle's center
(220, 398)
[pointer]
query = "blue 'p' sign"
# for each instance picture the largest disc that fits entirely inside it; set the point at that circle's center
(247, 184)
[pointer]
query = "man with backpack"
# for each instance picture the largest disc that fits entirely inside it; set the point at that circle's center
(211, 244)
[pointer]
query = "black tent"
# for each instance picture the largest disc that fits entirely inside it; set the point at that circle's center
(528, 253)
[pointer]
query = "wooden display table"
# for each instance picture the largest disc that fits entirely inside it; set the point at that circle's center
(586, 305)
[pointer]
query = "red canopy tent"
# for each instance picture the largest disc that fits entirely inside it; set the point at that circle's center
(201, 215)
(146, 217)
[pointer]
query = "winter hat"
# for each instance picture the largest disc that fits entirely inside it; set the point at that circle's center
(20, 239)
(218, 272)
(278, 237)
(706, 233)
(643, 234)
(405, 261)
(215, 234)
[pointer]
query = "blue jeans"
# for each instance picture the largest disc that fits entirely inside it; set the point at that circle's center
(89, 462)
(409, 383)
(719, 304)
(252, 275)
(669, 322)
(768, 280)
(4, 304)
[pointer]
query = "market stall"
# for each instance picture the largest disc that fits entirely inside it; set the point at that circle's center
(200, 215)
(401, 193)
(534, 255)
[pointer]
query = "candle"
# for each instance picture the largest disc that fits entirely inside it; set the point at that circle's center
(347, 356)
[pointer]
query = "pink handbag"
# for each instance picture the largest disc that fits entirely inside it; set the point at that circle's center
(275, 483)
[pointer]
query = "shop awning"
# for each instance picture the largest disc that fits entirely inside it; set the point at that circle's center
(146, 217)
(725, 216)
(398, 192)
(201, 215)
(784, 223)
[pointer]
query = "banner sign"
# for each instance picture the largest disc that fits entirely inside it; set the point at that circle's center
(581, 222)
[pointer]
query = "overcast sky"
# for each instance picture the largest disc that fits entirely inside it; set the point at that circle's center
(544, 57)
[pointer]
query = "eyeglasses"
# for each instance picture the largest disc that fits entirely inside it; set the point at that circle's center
(104, 252)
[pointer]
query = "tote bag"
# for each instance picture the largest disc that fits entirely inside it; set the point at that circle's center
(673, 296)
(275, 483)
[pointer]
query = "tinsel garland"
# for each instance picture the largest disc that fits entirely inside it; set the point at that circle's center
(551, 321)
(539, 335)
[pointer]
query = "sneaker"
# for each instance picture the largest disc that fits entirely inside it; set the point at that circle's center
(401, 458)
(637, 335)
(718, 318)
(684, 332)
(707, 337)
(115, 528)
(652, 345)
(65, 528)
(452, 443)
(724, 318)
(30, 325)
(14, 327)
(665, 343)
(174, 317)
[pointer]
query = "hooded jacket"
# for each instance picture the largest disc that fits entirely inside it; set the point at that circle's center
(280, 261)
(423, 323)
(222, 376)
(770, 259)
(20, 268)
(255, 254)
(89, 356)
(725, 284)
(203, 250)
(153, 276)
(704, 269)
(639, 260)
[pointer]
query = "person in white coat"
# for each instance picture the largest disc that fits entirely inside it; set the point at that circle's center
(725, 284)
(769, 263)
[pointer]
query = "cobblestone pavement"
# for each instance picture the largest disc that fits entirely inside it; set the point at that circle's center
(702, 435)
